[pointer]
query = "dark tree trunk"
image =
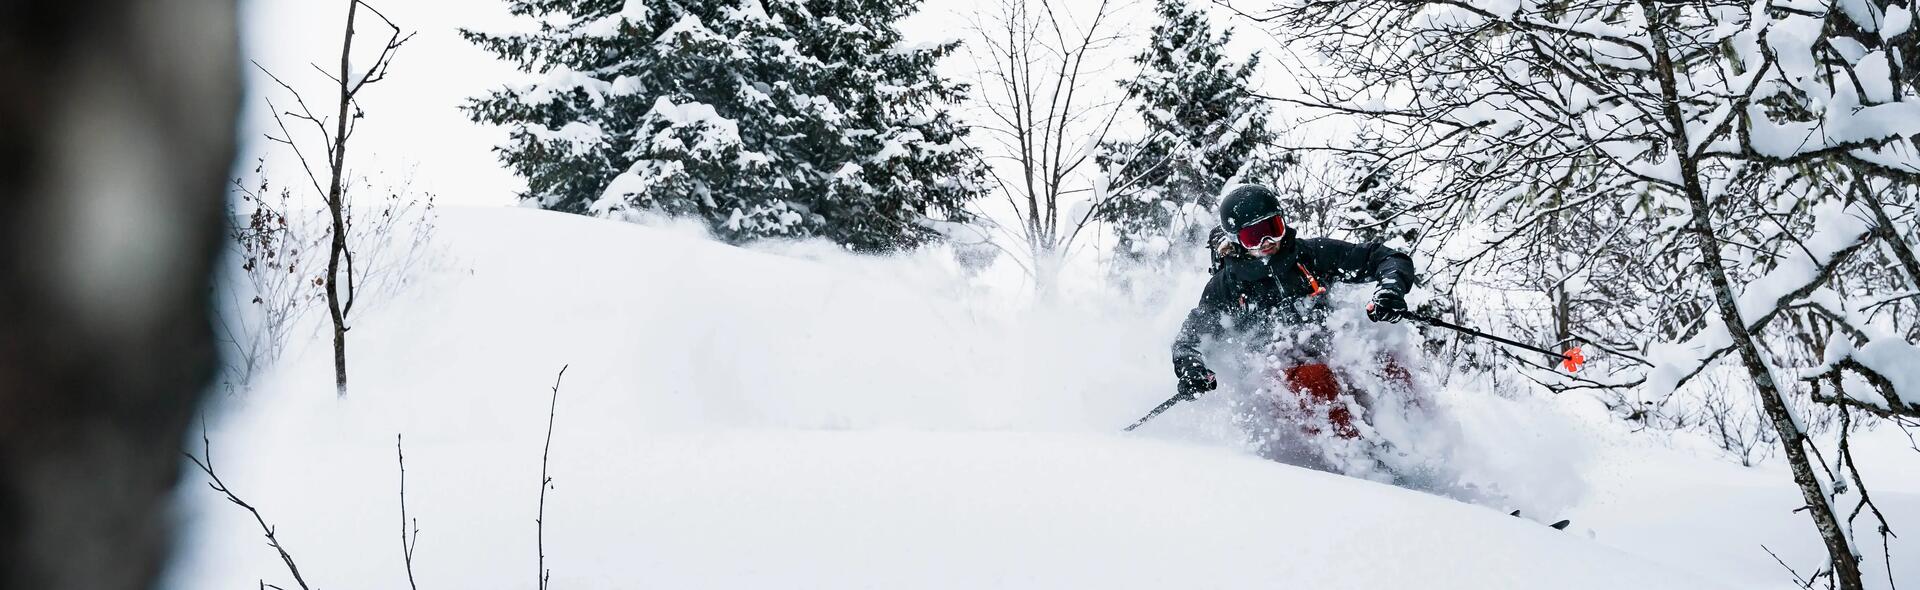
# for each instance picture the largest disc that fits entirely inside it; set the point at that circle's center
(1890, 234)
(1846, 567)
(336, 204)
(117, 125)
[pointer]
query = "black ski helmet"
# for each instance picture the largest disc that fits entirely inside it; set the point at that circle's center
(1246, 204)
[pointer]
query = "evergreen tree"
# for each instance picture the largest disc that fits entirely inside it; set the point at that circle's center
(782, 118)
(1203, 131)
(1371, 199)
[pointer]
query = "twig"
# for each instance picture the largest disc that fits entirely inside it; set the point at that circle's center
(540, 519)
(1866, 499)
(1796, 575)
(206, 448)
(407, 540)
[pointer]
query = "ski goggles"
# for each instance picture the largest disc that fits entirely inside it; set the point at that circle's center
(1271, 228)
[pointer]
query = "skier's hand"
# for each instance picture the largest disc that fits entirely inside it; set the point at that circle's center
(1195, 379)
(1224, 244)
(1387, 306)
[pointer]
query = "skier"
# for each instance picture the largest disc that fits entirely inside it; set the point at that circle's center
(1268, 288)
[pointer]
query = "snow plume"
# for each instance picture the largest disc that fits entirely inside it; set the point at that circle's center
(1457, 442)
(795, 415)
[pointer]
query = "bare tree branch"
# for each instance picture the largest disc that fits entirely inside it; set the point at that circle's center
(408, 539)
(546, 482)
(273, 540)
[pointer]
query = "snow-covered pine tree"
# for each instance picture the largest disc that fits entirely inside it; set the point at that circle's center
(1203, 130)
(1373, 204)
(782, 118)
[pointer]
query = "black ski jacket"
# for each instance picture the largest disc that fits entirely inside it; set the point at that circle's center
(1283, 289)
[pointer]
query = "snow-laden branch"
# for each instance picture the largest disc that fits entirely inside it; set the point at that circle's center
(1765, 298)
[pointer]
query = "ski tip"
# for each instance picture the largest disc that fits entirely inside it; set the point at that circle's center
(1572, 359)
(1561, 526)
(1514, 513)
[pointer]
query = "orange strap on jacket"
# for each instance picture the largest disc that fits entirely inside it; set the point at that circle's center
(1311, 281)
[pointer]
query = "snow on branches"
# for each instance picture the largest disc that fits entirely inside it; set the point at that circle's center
(1724, 179)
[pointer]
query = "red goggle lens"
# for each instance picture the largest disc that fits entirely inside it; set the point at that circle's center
(1253, 235)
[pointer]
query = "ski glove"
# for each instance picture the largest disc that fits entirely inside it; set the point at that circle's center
(1387, 306)
(1195, 379)
(1223, 243)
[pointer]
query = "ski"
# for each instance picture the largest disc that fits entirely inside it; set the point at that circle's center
(1558, 526)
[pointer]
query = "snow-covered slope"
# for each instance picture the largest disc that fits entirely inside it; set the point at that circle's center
(801, 418)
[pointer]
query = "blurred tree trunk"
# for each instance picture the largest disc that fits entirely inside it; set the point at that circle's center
(117, 128)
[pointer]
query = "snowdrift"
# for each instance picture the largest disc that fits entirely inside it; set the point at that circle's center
(799, 418)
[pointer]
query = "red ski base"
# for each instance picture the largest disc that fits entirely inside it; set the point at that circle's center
(1318, 391)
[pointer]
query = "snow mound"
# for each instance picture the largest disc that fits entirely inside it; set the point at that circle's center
(736, 418)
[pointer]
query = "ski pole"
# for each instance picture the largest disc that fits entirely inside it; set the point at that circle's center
(1164, 406)
(1570, 360)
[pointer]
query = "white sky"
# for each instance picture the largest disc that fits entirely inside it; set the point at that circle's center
(413, 120)
(413, 117)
